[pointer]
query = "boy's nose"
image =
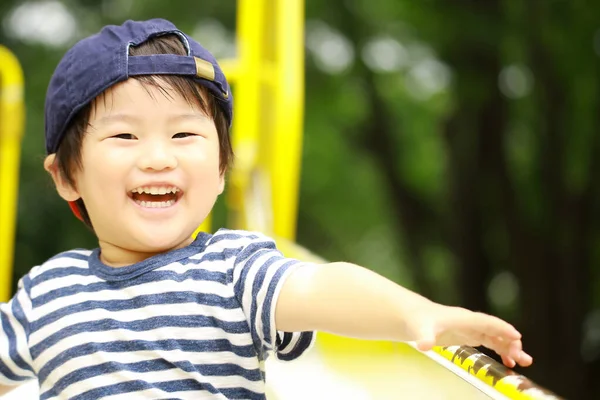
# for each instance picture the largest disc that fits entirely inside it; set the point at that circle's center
(158, 157)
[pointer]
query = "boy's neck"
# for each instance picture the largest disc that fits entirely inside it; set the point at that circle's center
(117, 257)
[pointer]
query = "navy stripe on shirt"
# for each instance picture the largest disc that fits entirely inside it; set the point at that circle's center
(59, 273)
(82, 374)
(188, 346)
(169, 387)
(206, 299)
(150, 277)
(105, 325)
(17, 312)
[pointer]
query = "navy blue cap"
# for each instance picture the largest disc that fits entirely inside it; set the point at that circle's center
(100, 61)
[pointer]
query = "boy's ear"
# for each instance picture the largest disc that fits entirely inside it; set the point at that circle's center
(222, 182)
(64, 189)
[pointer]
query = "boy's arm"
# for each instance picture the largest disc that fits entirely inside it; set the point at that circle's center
(6, 389)
(349, 300)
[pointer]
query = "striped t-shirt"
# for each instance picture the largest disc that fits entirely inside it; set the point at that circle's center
(193, 323)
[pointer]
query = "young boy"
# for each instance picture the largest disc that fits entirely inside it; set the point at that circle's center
(137, 121)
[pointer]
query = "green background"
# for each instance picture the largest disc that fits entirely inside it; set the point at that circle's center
(452, 146)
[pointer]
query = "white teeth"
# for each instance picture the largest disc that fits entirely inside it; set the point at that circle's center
(155, 189)
(155, 204)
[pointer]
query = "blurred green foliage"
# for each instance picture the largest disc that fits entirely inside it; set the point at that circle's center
(452, 146)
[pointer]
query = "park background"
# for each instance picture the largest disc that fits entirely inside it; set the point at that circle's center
(450, 145)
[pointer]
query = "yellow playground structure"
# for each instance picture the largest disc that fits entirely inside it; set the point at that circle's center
(268, 81)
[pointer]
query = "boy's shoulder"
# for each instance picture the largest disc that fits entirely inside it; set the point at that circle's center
(230, 237)
(76, 258)
(233, 244)
(62, 264)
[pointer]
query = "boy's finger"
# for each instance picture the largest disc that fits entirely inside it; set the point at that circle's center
(517, 354)
(426, 344)
(515, 349)
(511, 353)
(509, 362)
(525, 360)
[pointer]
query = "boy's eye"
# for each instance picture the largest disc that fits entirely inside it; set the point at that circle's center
(126, 136)
(182, 135)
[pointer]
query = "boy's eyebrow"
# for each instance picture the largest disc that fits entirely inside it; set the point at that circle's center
(117, 118)
(195, 115)
(133, 118)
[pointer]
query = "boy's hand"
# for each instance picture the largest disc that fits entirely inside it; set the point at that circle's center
(446, 326)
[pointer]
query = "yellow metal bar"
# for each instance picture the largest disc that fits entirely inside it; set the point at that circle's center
(11, 131)
(231, 68)
(245, 139)
(485, 369)
(233, 71)
(288, 103)
(268, 79)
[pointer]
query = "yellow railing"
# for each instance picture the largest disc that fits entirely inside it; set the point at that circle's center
(11, 131)
(268, 81)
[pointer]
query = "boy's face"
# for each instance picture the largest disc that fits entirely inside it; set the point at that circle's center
(141, 139)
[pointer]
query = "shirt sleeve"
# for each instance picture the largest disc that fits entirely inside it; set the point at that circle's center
(15, 359)
(258, 275)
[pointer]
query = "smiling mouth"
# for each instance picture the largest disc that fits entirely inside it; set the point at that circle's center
(156, 197)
